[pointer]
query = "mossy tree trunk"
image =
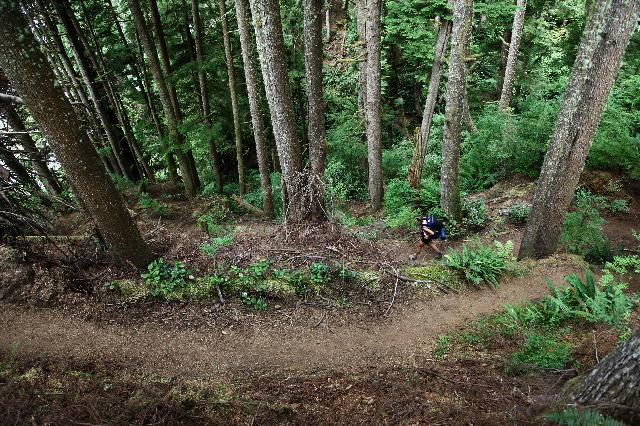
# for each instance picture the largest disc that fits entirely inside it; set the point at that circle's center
(373, 110)
(599, 58)
(38, 161)
(98, 91)
(271, 49)
(231, 74)
(32, 77)
(190, 184)
(514, 45)
(454, 110)
(253, 93)
(183, 149)
(422, 138)
(313, 50)
(204, 91)
(613, 386)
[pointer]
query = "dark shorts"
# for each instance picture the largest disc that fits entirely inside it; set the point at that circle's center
(427, 240)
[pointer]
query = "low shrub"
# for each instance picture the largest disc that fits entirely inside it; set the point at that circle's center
(587, 417)
(519, 213)
(405, 218)
(475, 214)
(596, 302)
(619, 205)
(582, 233)
(165, 281)
(481, 263)
(399, 196)
(152, 205)
(542, 351)
(210, 248)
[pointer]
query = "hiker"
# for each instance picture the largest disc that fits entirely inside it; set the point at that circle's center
(431, 229)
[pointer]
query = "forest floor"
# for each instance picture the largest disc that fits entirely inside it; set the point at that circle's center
(72, 351)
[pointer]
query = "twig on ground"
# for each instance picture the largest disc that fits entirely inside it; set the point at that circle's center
(395, 291)
(219, 294)
(321, 319)
(595, 346)
(441, 286)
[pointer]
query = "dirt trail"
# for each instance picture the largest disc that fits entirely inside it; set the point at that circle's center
(409, 333)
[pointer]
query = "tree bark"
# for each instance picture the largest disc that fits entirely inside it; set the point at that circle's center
(599, 58)
(514, 45)
(253, 93)
(313, 51)
(116, 101)
(612, 386)
(185, 156)
(504, 56)
(422, 138)
(456, 87)
(169, 161)
(97, 90)
(190, 185)
(373, 109)
(204, 91)
(19, 170)
(234, 97)
(361, 25)
(30, 74)
(49, 180)
(270, 42)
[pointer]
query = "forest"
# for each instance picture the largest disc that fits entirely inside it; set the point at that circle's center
(320, 212)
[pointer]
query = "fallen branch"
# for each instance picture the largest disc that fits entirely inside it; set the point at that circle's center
(321, 319)
(220, 294)
(4, 97)
(395, 291)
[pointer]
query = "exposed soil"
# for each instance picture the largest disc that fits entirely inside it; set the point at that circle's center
(256, 349)
(82, 349)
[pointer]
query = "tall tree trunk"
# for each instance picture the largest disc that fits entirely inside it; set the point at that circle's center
(94, 130)
(466, 111)
(169, 161)
(49, 180)
(422, 138)
(19, 170)
(373, 104)
(456, 87)
(204, 91)
(514, 45)
(602, 47)
(82, 52)
(313, 70)
(190, 174)
(270, 42)
(116, 101)
(28, 71)
(190, 185)
(253, 93)
(612, 386)
(234, 97)
(504, 56)
(361, 25)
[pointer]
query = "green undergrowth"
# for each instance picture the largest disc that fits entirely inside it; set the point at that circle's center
(258, 284)
(538, 334)
(479, 263)
(153, 206)
(436, 272)
(586, 417)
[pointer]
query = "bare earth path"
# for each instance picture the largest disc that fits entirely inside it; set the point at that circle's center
(409, 333)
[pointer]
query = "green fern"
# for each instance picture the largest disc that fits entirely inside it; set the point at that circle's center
(587, 417)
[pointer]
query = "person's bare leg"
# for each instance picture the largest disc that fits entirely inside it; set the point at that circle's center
(418, 250)
(434, 247)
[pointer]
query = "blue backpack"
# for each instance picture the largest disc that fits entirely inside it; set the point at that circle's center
(431, 221)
